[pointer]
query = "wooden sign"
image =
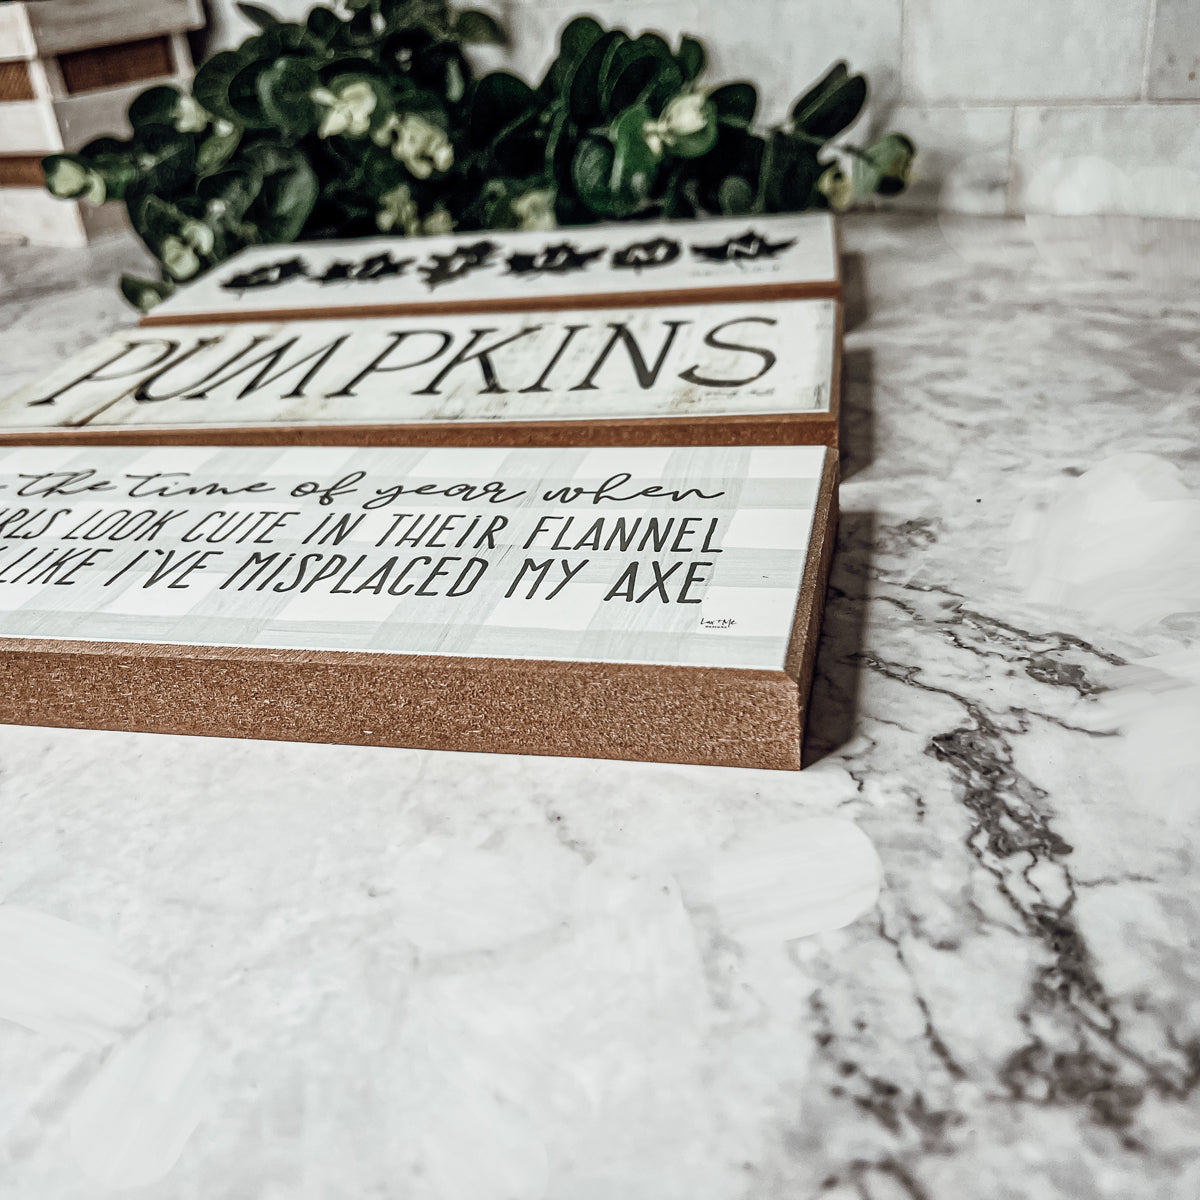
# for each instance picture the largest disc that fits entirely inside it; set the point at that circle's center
(624, 265)
(749, 373)
(68, 72)
(652, 603)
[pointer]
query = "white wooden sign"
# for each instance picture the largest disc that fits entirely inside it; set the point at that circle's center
(592, 266)
(649, 602)
(554, 377)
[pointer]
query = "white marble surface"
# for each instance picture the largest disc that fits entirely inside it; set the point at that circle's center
(348, 973)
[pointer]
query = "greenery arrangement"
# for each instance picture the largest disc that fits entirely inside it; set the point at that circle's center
(367, 119)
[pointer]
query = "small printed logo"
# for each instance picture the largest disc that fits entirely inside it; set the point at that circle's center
(717, 622)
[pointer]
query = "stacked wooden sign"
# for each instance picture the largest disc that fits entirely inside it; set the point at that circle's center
(68, 71)
(564, 493)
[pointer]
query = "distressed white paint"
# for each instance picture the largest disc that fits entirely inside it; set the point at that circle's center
(29, 127)
(134, 1118)
(55, 28)
(34, 215)
(427, 559)
(806, 254)
(16, 38)
(697, 360)
(65, 981)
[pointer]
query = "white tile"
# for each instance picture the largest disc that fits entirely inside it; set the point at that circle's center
(1023, 49)
(962, 162)
(1141, 159)
(1175, 52)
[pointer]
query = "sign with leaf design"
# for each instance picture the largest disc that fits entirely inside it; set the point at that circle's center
(651, 263)
(688, 374)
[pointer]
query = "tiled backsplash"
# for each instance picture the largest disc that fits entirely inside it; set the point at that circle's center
(1058, 106)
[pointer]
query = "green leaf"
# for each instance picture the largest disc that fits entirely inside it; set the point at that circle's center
(837, 75)
(360, 29)
(792, 173)
(578, 37)
(832, 105)
(244, 96)
(736, 103)
(166, 158)
(632, 70)
(560, 148)
(258, 16)
(284, 93)
(288, 195)
(574, 42)
(227, 195)
(211, 85)
(591, 173)
(691, 58)
(635, 164)
(479, 29)
(668, 80)
(216, 150)
(155, 106)
(324, 25)
(586, 105)
(105, 147)
(145, 294)
(155, 219)
(499, 102)
(736, 196)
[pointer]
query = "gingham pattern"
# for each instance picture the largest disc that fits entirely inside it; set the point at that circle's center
(744, 620)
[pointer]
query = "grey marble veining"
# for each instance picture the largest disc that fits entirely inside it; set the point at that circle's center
(419, 974)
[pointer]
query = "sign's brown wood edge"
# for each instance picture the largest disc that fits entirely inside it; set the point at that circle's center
(753, 430)
(704, 715)
(806, 627)
(819, 290)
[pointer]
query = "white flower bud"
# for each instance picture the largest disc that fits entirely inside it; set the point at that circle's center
(189, 116)
(837, 187)
(438, 222)
(685, 115)
(199, 236)
(535, 210)
(179, 258)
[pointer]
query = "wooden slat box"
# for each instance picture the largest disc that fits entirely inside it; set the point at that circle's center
(650, 603)
(607, 266)
(68, 71)
(750, 373)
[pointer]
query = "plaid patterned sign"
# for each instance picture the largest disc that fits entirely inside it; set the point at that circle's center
(685, 556)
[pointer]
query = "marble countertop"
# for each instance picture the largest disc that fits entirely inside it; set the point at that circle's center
(294, 972)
